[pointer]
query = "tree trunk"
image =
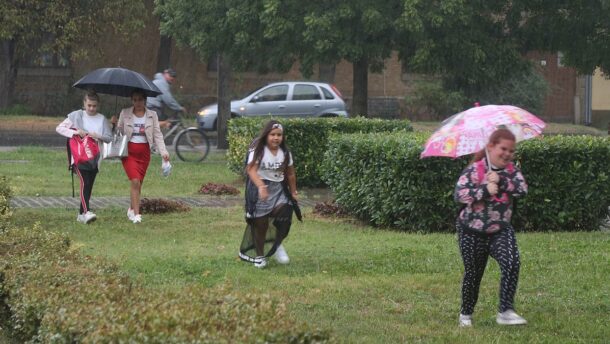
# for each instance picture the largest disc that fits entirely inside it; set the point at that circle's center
(326, 73)
(8, 72)
(224, 99)
(361, 88)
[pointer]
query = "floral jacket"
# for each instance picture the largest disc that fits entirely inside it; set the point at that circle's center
(482, 212)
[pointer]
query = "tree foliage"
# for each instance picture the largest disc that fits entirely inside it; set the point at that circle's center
(349, 30)
(478, 45)
(67, 27)
(64, 23)
(245, 31)
(580, 29)
(471, 44)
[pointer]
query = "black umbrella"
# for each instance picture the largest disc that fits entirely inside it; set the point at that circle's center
(117, 81)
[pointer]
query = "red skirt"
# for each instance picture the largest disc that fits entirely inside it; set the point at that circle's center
(137, 160)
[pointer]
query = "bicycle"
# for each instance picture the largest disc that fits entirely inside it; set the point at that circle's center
(191, 143)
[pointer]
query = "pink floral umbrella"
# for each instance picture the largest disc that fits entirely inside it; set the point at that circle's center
(468, 132)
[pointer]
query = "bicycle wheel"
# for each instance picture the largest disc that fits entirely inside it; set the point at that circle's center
(192, 145)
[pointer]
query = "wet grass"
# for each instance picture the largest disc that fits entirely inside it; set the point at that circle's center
(367, 285)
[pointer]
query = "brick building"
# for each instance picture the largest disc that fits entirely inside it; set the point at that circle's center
(47, 90)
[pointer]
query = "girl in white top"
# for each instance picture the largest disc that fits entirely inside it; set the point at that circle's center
(83, 123)
(271, 197)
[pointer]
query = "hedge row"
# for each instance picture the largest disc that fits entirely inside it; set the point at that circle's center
(380, 178)
(53, 294)
(306, 138)
(5, 203)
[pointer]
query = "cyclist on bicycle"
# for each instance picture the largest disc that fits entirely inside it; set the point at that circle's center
(163, 82)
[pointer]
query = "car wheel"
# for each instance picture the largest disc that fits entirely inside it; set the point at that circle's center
(327, 115)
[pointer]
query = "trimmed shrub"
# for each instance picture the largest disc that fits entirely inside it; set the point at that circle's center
(306, 138)
(5, 203)
(381, 179)
(569, 188)
(53, 294)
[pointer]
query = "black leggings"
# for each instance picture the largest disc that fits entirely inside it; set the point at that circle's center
(475, 249)
(87, 178)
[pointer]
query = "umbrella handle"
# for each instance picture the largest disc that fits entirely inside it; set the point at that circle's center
(488, 161)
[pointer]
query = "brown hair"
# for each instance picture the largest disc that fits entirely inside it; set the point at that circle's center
(494, 139)
(137, 91)
(91, 95)
(261, 141)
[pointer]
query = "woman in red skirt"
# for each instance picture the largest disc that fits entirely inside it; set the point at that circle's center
(141, 126)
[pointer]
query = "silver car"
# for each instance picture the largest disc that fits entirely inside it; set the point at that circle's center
(283, 99)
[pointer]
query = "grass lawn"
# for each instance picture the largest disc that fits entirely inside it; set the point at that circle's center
(366, 285)
(44, 172)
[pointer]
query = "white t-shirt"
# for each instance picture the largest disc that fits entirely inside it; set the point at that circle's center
(93, 124)
(139, 133)
(270, 167)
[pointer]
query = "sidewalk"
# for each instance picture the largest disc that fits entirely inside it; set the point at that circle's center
(123, 202)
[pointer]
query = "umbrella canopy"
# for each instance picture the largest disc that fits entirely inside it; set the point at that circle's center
(117, 81)
(468, 132)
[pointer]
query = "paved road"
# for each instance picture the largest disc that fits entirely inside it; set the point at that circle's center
(28, 137)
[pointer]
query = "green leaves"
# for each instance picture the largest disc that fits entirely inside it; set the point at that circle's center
(380, 178)
(67, 25)
(54, 294)
(307, 139)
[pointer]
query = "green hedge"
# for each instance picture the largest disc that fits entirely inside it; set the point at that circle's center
(5, 203)
(53, 294)
(306, 138)
(380, 178)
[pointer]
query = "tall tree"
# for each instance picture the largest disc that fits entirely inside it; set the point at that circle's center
(475, 44)
(234, 30)
(470, 44)
(359, 31)
(580, 29)
(61, 26)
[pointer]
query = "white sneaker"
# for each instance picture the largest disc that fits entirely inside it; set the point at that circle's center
(281, 256)
(465, 320)
(136, 218)
(86, 218)
(130, 214)
(260, 262)
(509, 317)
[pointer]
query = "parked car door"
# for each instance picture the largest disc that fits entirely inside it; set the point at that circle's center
(306, 100)
(271, 100)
